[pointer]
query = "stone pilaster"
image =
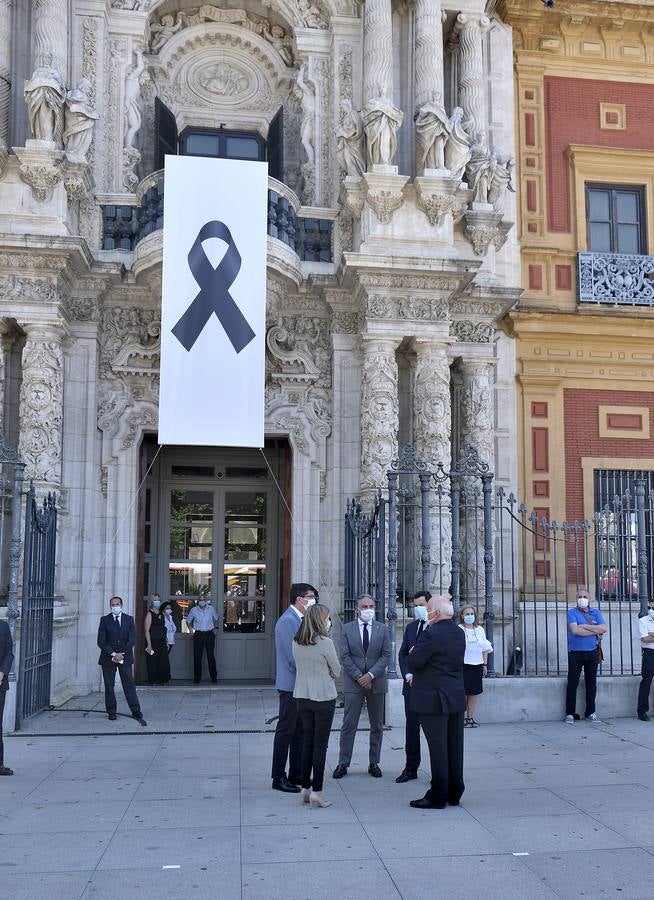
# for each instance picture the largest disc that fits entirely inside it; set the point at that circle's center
(380, 418)
(41, 403)
(432, 419)
(5, 79)
(472, 92)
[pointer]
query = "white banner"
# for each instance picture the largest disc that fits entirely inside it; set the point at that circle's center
(213, 302)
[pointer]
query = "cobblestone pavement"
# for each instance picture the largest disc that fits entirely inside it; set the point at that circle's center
(550, 810)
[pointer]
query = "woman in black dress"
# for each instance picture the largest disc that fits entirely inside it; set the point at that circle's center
(156, 647)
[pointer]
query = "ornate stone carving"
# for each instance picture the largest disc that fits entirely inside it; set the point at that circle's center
(79, 120)
(457, 147)
(307, 94)
(485, 228)
(132, 120)
(138, 421)
(50, 32)
(345, 83)
(428, 53)
(19, 288)
(5, 79)
(41, 404)
(345, 322)
(325, 83)
(379, 412)
(384, 203)
(472, 332)
(45, 93)
(40, 168)
(90, 71)
(381, 119)
(436, 205)
(432, 133)
(112, 129)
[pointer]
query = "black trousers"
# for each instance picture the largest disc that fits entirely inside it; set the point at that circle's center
(646, 675)
(317, 717)
(288, 738)
(412, 738)
(127, 681)
(578, 660)
(3, 694)
(444, 734)
(204, 640)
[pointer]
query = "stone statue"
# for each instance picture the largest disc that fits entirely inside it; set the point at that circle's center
(501, 182)
(381, 121)
(308, 127)
(349, 142)
(457, 147)
(80, 118)
(312, 16)
(432, 131)
(282, 42)
(479, 171)
(133, 115)
(162, 32)
(45, 94)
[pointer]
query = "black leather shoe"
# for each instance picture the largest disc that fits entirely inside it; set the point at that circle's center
(112, 717)
(284, 785)
(374, 770)
(140, 720)
(424, 803)
(406, 775)
(340, 771)
(5, 770)
(643, 717)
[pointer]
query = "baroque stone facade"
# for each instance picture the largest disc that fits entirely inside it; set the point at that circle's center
(381, 320)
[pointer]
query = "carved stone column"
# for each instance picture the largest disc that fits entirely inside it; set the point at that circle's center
(428, 57)
(472, 92)
(432, 422)
(50, 33)
(380, 418)
(5, 79)
(381, 119)
(41, 403)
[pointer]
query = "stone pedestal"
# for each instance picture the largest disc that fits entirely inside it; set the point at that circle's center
(485, 227)
(439, 194)
(383, 192)
(40, 167)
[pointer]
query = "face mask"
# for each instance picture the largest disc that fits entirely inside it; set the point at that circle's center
(202, 604)
(156, 603)
(420, 613)
(582, 603)
(650, 613)
(367, 615)
(116, 610)
(328, 624)
(309, 601)
(469, 619)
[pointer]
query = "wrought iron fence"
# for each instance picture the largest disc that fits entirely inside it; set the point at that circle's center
(364, 556)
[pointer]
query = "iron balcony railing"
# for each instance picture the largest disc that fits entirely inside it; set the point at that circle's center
(615, 279)
(309, 237)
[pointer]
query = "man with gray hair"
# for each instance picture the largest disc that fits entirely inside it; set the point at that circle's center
(365, 655)
(438, 697)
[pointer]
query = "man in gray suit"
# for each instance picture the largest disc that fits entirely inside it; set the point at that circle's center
(365, 654)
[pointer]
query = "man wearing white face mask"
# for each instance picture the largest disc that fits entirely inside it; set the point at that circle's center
(586, 626)
(646, 630)
(365, 655)
(412, 729)
(116, 638)
(202, 621)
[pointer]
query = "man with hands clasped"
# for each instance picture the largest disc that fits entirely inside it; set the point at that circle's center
(365, 655)
(116, 639)
(646, 631)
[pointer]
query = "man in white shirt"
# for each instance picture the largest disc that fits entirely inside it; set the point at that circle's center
(116, 639)
(202, 622)
(646, 630)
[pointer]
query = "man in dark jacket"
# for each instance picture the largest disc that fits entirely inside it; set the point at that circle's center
(412, 732)
(438, 697)
(116, 639)
(6, 661)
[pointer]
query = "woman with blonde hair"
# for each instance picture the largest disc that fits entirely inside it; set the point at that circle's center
(474, 663)
(317, 666)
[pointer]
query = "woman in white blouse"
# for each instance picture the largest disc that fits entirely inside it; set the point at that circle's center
(474, 664)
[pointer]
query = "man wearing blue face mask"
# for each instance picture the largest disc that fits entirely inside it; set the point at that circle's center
(646, 629)
(412, 729)
(116, 639)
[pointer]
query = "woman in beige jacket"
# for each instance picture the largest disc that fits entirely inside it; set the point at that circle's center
(316, 666)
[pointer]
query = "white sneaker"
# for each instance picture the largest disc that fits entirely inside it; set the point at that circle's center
(569, 720)
(592, 718)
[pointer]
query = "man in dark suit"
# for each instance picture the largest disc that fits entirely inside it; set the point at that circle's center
(365, 655)
(438, 696)
(412, 730)
(116, 639)
(6, 662)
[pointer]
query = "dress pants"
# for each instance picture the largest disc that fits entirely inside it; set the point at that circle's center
(444, 734)
(578, 660)
(288, 739)
(204, 640)
(317, 717)
(353, 706)
(412, 738)
(127, 681)
(646, 675)
(3, 694)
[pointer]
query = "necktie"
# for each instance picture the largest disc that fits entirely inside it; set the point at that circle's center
(420, 627)
(366, 639)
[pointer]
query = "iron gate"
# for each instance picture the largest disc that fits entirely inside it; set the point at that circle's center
(38, 606)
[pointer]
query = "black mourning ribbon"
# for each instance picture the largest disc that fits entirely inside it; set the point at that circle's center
(214, 296)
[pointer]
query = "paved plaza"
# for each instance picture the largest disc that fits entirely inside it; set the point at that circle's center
(550, 810)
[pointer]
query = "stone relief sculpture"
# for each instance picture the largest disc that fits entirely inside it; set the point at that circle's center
(349, 142)
(80, 118)
(457, 146)
(379, 413)
(311, 14)
(432, 132)
(307, 129)
(163, 31)
(45, 94)
(282, 42)
(132, 119)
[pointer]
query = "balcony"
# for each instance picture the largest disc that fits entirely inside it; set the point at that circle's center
(308, 236)
(615, 279)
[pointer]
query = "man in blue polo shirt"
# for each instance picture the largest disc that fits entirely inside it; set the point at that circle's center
(586, 625)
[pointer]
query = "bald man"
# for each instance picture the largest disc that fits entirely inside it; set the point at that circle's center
(438, 697)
